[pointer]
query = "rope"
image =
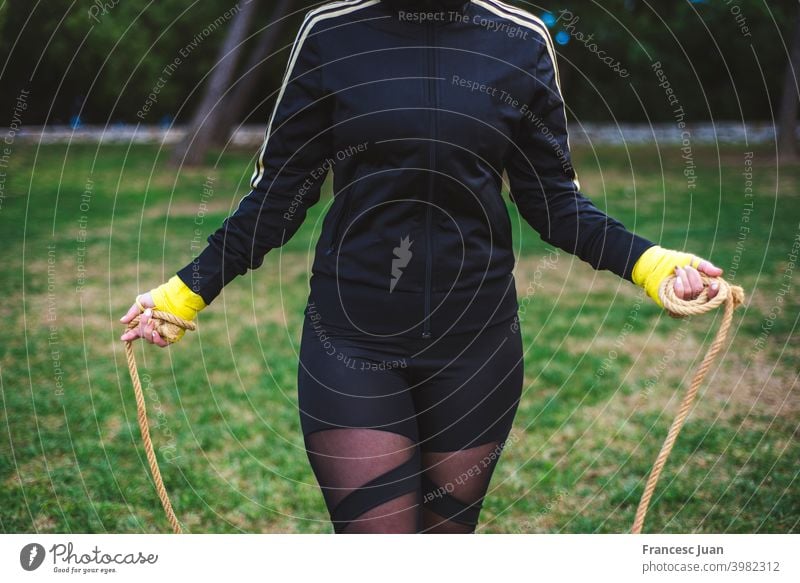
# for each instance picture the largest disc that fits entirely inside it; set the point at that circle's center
(732, 296)
(168, 326)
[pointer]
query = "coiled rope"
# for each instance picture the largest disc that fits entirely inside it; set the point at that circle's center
(168, 326)
(730, 295)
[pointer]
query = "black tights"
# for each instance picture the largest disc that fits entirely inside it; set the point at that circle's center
(403, 433)
(378, 481)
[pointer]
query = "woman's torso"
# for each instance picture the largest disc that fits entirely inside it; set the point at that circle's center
(424, 108)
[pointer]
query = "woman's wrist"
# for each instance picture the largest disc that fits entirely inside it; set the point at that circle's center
(657, 263)
(175, 297)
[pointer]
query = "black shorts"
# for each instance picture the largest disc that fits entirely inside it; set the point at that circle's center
(448, 393)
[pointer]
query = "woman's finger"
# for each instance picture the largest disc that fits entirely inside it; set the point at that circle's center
(146, 331)
(679, 285)
(696, 284)
(713, 290)
(137, 332)
(150, 332)
(158, 340)
(687, 286)
(709, 269)
(131, 314)
(130, 335)
(144, 320)
(143, 300)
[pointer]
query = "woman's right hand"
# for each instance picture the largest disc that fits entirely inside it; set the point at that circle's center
(146, 328)
(657, 263)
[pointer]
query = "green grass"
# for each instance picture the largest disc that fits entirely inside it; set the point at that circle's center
(223, 402)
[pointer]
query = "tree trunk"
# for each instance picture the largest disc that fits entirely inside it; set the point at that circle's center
(787, 117)
(248, 84)
(200, 131)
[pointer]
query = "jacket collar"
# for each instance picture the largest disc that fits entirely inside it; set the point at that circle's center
(427, 5)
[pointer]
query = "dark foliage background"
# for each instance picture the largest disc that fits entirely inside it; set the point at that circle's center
(100, 60)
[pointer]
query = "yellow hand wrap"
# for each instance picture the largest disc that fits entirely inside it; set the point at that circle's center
(657, 263)
(176, 298)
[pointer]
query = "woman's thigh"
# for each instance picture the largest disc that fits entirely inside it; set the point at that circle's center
(466, 395)
(346, 380)
(360, 430)
(466, 388)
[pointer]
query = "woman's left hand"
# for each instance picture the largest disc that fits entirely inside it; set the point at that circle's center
(688, 283)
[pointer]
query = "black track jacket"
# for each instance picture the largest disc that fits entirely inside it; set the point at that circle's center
(418, 107)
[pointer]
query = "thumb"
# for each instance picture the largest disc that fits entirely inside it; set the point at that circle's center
(132, 313)
(709, 269)
(146, 300)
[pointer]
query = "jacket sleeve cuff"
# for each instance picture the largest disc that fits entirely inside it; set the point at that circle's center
(636, 246)
(204, 274)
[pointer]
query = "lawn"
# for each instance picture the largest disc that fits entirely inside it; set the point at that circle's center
(84, 229)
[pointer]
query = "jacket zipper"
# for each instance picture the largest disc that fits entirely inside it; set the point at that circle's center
(433, 103)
